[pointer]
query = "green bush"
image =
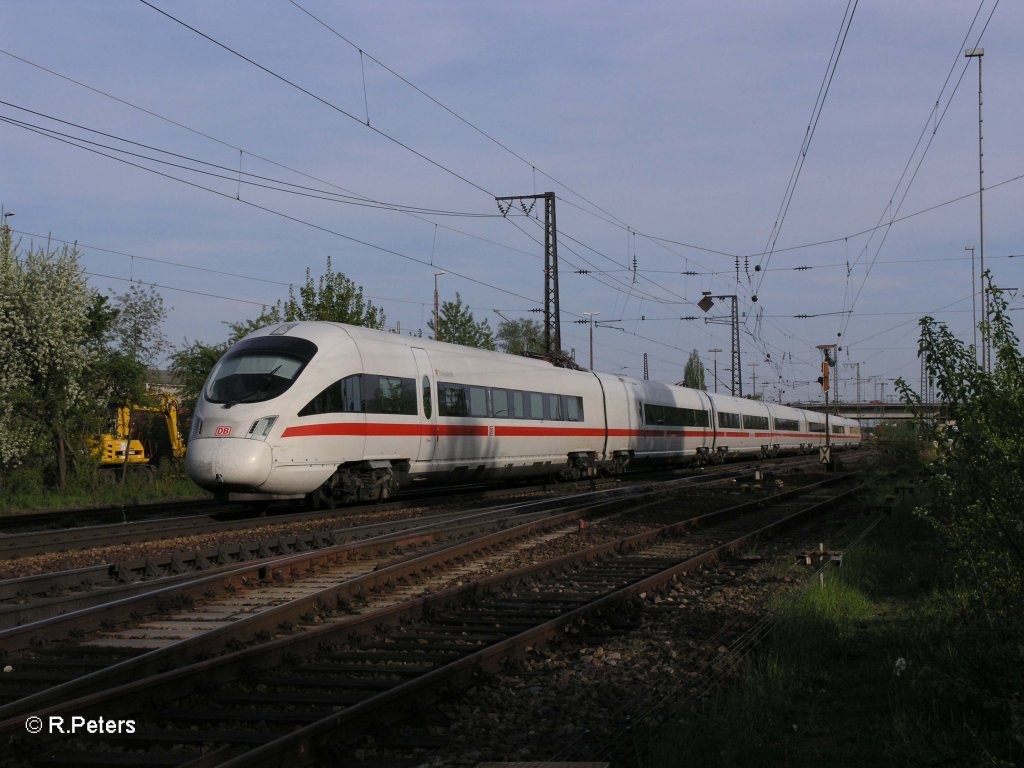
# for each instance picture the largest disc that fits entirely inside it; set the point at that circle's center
(881, 665)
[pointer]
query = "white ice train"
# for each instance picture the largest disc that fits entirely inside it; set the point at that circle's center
(335, 412)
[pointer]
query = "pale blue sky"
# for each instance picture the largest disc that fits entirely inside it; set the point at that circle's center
(681, 121)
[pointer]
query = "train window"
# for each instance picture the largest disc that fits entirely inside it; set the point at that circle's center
(728, 419)
(426, 398)
(389, 394)
(816, 426)
(554, 411)
(477, 401)
(652, 414)
(837, 430)
(463, 400)
(755, 422)
(340, 397)
(854, 430)
(787, 425)
(517, 405)
(670, 416)
(452, 400)
(535, 402)
(328, 401)
(499, 404)
(252, 378)
(258, 369)
(352, 394)
(507, 404)
(573, 408)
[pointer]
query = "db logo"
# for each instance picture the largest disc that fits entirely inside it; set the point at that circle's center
(222, 431)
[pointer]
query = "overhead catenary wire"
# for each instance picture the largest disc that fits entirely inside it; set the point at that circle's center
(339, 109)
(630, 296)
(329, 104)
(819, 105)
(924, 152)
(221, 171)
(369, 202)
(221, 141)
(238, 175)
(304, 222)
(226, 174)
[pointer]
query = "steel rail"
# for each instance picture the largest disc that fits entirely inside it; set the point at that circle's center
(36, 597)
(34, 542)
(270, 620)
(117, 700)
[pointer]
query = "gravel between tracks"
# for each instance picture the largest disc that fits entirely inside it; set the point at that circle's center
(50, 562)
(596, 694)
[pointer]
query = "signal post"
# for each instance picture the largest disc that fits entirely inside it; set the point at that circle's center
(827, 361)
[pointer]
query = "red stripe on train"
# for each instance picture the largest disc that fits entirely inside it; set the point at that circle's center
(378, 429)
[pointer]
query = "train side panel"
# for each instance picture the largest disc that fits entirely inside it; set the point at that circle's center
(789, 429)
(673, 422)
(742, 427)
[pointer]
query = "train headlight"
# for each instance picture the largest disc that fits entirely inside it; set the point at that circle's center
(197, 428)
(261, 427)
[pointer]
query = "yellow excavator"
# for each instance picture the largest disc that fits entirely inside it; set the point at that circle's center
(110, 448)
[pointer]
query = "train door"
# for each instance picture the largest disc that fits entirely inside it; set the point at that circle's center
(619, 418)
(426, 388)
(705, 439)
(642, 441)
(712, 441)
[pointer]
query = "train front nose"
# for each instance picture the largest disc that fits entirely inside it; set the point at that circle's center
(229, 463)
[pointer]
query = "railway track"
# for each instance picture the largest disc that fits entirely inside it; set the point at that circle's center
(232, 598)
(181, 525)
(24, 619)
(35, 597)
(332, 673)
(27, 535)
(25, 522)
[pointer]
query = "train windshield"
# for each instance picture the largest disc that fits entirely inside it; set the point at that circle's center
(258, 369)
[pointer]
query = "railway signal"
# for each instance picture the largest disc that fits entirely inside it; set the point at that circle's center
(826, 450)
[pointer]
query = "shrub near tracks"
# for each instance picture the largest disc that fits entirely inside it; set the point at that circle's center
(24, 490)
(880, 666)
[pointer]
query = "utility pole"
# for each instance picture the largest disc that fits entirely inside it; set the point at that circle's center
(706, 303)
(753, 374)
(552, 319)
(974, 303)
(437, 326)
(986, 363)
(591, 323)
(856, 366)
(924, 379)
(826, 456)
(714, 353)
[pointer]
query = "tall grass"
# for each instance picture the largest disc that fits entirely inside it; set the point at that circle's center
(25, 489)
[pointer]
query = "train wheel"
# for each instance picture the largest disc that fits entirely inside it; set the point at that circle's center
(319, 499)
(385, 485)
